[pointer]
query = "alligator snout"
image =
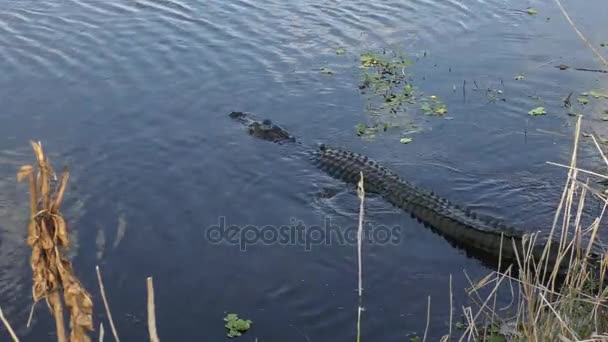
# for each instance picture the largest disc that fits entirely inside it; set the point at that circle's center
(262, 129)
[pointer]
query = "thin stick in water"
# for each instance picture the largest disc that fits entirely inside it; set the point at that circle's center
(101, 332)
(580, 34)
(361, 194)
(8, 326)
(428, 319)
(151, 312)
(105, 303)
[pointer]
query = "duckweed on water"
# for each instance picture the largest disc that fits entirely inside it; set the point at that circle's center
(389, 92)
(538, 111)
(235, 325)
(433, 106)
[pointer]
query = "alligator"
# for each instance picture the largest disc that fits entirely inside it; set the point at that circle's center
(489, 240)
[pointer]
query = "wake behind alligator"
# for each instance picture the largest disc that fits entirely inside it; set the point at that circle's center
(479, 235)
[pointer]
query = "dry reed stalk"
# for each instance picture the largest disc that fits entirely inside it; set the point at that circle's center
(428, 319)
(151, 311)
(101, 332)
(8, 326)
(105, 303)
(49, 240)
(580, 34)
(578, 308)
(361, 195)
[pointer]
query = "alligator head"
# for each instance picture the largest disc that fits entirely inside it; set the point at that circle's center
(264, 129)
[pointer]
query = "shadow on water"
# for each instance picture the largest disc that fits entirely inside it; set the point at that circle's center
(133, 96)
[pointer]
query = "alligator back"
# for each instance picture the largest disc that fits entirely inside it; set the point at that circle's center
(478, 235)
(459, 225)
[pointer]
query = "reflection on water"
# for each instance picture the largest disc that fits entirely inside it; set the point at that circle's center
(133, 97)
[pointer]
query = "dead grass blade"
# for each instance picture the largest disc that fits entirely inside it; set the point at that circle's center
(151, 311)
(8, 326)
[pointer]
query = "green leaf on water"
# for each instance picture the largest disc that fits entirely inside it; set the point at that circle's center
(340, 51)
(405, 140)
(532, 11)
(583, 100)
(520, 77)
(441, 110)
(327, 71)
(538, 111)
(360, 129)
(459, 325)
(597, 95)
(235, 325)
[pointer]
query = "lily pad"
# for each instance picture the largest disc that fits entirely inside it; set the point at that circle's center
(405, 140)
(538, 111)
(532, 11)
(340, 51)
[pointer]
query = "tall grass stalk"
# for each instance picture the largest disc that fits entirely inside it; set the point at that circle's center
(8, 326)
(550, 306)
(361, 195)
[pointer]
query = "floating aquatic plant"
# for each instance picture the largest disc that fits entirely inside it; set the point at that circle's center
(235, 325)
(538, 111)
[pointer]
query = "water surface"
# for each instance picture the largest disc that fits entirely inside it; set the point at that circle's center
(134, 96)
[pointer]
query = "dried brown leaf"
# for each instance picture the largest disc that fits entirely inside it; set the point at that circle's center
(65, 175)
(61, 232)
(25, 172)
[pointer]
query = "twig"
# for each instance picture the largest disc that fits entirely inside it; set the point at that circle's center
(451, 307)
(599, 149)
(577, 169)
(29, 319)
(581, 36)
(428, 319)
(101, 332)
(151, 313)
(361, 194)
(558, 317)
(105, 303)
(54, 302)
(8, 326)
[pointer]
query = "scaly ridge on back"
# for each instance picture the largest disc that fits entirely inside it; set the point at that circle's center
(460, 226)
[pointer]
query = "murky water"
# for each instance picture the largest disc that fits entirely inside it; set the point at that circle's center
(133, 96)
